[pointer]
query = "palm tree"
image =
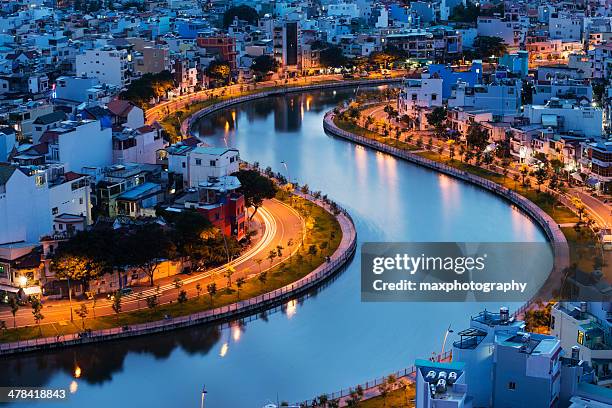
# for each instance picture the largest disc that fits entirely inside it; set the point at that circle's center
(212, 290)
(258, 261)
(263, 277)
(14, 304)
(239, 283)
(271, 255)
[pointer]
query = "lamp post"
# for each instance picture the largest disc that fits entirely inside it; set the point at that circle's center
(448, 331)
(70, 299)
(284, 163)
(204, 392)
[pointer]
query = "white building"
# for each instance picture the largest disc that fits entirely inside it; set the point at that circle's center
(582, 119)
(565, 26)
(420, 93)
(501, 98)
(344, 9)
(109, 65)
(32, 197)
(197, 164)
(79, 144)
(585, 324)
(509, 31)
(138, 145)
(544, 91)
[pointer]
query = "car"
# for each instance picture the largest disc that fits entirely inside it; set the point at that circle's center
(126, 291)
(123, 291)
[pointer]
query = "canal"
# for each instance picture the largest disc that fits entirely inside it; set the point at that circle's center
(319, 344)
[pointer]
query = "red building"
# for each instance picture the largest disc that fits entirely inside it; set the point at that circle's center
(219, 201)
(220, 44)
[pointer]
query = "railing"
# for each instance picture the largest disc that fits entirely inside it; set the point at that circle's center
(220, 314)
(404, 373)
(550, 227)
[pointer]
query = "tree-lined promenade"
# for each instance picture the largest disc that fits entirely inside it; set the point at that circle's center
(472, 153)
(292, 257)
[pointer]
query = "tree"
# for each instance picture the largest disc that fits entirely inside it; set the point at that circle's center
(37, 307)
(152, 301)
(465, 14)
(437, 119)
(541, 175)
(382, 59)
(82, 313)
(229, 271)
(239, 283)
(212, 290)
(332, 57)
(242, 12)
(263, 277)
(384, 389)
(190, 229)
(147, 245)
(264, 64)
(477, 137)
(83, 257)
(255, 188)
(312, 251)
(485, 46)
(182, 297)
(14, 305)
(178, 283)
(149, 86)
(271, 256)
(219, 71)
(117, 304)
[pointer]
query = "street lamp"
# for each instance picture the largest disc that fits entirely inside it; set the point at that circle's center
(70, 299)
(284, 163)
(204, 392)
(448, 331)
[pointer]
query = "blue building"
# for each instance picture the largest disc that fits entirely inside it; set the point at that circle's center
(497, 364)
(450, 77)
(399, 13)
(506, 367)
(190, 28)
(517, 63)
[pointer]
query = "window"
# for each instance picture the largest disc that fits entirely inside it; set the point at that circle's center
(213, 163)
(183, 164)
(434, 97)
(512, 385)
(552, 322)
(580, 337)
(198, 162)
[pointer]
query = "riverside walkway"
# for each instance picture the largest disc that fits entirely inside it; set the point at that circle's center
(236, 310)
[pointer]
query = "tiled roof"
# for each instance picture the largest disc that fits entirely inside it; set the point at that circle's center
(120, 107)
